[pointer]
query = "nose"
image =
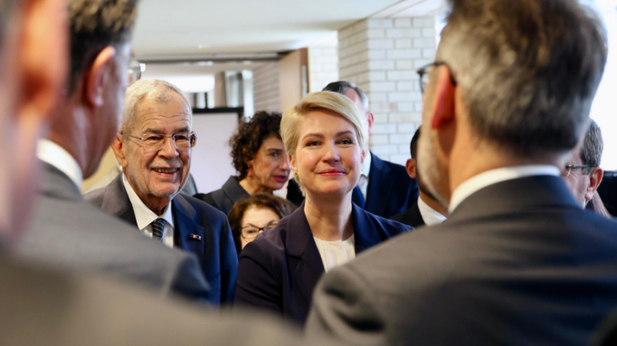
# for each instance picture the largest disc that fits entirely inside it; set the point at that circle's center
(169, 148)
(284, 165)
(331, 153)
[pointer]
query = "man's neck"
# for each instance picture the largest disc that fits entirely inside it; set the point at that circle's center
(431, 202)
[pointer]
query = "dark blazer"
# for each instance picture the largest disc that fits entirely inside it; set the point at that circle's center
(278, 270)
(225, 198)
(68, 232)
(411, 216)
(390, 190)
(199, 229)
(517, 263)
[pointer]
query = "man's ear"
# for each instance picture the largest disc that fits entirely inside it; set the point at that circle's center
(119, 151)
(371, 119)
(411, 168)
(443, 98)
(97, 76)
(42, 58)
(595, 178)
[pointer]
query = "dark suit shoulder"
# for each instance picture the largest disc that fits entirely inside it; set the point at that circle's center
(209, 198)
(95, 197)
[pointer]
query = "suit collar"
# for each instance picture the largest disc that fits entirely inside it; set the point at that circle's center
(186, 222)
(116, 201)
(233, 190)
(300, 242)
(57, 156)
(379, 186)
(57, 184)
(529, 193)
(143, 215)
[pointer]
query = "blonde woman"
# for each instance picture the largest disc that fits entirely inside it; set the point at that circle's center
(324, 137)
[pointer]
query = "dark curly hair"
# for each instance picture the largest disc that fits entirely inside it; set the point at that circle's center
(250, 135)
(280, 206)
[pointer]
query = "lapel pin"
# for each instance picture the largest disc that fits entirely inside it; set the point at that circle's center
(195, 236)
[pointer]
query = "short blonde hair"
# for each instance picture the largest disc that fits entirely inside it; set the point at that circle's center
(157, 89)
(323, 100)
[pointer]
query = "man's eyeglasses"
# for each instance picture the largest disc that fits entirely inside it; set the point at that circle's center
(424, 70)
(585, 169)
(150, 141)
(249, 232)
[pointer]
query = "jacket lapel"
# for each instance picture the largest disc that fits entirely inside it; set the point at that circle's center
(379, 186)
(186, 227)
(116, 201)
(361, 224)
(305, 263)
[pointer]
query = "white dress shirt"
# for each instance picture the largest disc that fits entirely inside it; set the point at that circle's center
(145, 216)
(53, 154)
(429, 215)
(366, 170)
(335, 253)
(494, 176)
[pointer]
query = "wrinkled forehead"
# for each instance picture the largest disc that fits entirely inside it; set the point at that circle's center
(172, 113)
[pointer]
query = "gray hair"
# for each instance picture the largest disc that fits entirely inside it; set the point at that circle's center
(156, 89)
(342, 86)
(527, 70)
(591, 152)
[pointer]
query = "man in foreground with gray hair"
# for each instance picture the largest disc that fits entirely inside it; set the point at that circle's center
(67, 231)
(154, 149)
(518, 262)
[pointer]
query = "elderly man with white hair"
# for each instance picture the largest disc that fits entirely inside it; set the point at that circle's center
(154, 149)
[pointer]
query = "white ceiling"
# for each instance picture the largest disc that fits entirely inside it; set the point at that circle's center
(200, 28)
(246, 31)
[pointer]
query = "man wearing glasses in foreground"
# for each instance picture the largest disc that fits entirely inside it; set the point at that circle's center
(154, 149)
(518, 262)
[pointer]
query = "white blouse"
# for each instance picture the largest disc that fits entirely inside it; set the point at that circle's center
(335, 253)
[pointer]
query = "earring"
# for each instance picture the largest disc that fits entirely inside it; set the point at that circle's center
(250, 174)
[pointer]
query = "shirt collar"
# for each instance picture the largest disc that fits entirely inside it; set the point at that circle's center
(143, 215)
(366, 165)
(429, 215)
(53, 154)
(494, 176)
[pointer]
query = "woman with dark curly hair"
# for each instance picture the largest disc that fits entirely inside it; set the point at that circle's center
(259, 158)
(259, 213)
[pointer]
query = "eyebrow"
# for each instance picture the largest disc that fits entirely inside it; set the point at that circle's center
(161, 132)
(319, 135)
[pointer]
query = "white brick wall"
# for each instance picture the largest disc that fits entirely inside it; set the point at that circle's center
(266, 92)
(323, 62)
(381, 56)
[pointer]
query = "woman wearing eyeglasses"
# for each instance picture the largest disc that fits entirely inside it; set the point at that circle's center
(259, 213)
(324, 136)
(259, 158)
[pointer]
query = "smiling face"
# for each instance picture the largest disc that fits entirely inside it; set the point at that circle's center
(270, 166)
(156, 174)
(327, 158)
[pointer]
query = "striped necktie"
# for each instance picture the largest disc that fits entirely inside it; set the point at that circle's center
(158, 226)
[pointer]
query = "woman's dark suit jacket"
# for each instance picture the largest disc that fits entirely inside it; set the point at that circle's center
(225, 198)
(280, 268)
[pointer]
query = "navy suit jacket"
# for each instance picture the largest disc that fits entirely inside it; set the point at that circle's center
(390, 190)
(280, 268)
(199, 229)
